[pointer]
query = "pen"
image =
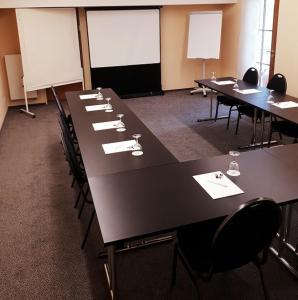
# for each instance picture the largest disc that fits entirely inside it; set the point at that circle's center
(218, 183)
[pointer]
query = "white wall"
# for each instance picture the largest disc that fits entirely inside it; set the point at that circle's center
(286, 60)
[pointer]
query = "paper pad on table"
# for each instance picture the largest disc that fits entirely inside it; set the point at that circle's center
(118, 146)
(286, 104)
(217, 187)
(223, 82)
(248, 91)
(88, 96)
(96, 107)
(105, 125)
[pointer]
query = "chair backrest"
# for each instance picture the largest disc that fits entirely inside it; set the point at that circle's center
(245, 233)
(278, 83)
(70, 151)
(251, 76)
(59, 104)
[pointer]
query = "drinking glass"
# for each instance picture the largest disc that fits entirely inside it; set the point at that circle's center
(120, 125)
(109, 107)
(233, 165)
(99, 94)
(270, 98)
(236, 86)
(137, 148)
(213, 77)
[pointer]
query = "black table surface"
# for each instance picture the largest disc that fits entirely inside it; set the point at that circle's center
(96, 162)
(159, 199)
(288, 154)
(258, 100)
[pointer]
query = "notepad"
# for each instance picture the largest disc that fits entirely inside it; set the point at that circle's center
(223, 82)
(286, 104)
(217, 187)
(96, 107)
(118, 147)
(248, 91)
(105, 125)
(88, 96)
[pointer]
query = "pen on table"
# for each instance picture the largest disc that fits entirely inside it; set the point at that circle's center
(218, 183)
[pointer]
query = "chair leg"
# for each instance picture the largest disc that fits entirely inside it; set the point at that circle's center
(82, 207)
(229, 117)
(73, 182)
(78, 199)
(88, 229)
(216, 112)
(174, 266)
(295, 140)
(237, 125)
(263, 283)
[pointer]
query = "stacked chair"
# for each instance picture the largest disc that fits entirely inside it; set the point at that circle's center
(72, 153)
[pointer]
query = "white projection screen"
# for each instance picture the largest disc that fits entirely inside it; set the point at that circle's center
(49, 47)
(204, 34)
(123, 37)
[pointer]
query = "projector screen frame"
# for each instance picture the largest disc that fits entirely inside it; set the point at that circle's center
(128, 89)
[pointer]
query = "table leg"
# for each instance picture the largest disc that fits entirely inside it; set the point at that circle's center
(110, 269)
(263, 128)
(211, 118)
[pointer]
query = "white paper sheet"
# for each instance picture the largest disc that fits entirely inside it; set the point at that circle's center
(286, 104)
(217, 187)
(105, 125)
(96, 107)
(223, 82)
(248, 91)
(118, 147)
(88, 96)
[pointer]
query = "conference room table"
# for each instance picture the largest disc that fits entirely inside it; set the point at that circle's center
(257, 100)
(140, 203)
(140, 197)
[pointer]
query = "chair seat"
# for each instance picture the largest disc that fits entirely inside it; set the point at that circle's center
(228, 101)
(286, 128)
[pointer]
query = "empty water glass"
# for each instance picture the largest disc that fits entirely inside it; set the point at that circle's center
(213, 77)
(236, 86)
(99, 94)
(137, 148)
(270, 98)
(120, 125)
(109, 107)
(233, 165)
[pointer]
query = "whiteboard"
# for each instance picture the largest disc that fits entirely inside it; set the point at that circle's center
(49, 47)
(204, 34)
(123, 37)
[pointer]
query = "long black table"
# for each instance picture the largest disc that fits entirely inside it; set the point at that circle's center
(140, 203)
(96, 162)
(257, 100)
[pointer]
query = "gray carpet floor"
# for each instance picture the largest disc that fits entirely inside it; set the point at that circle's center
(40, 256)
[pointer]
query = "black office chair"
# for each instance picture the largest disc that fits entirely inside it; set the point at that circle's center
(278, 83)
(281, 126)
(250, 76)
(243, 237)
